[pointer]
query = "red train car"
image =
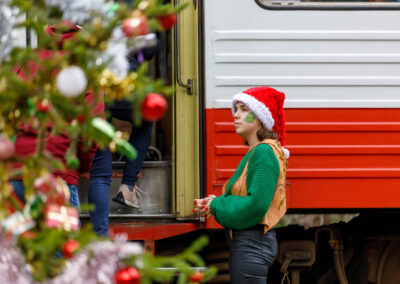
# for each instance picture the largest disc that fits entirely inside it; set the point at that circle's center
(338, 64)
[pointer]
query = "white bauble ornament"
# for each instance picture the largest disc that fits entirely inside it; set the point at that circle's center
(71, 81)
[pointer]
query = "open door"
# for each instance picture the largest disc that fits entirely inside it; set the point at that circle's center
(169, 177)
(186, 111)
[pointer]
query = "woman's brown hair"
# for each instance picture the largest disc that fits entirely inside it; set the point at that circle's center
(264, 133)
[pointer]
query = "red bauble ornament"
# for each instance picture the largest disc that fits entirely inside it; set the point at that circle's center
(154, 107)
(197, 277)
(81, 118)
(69, 248)
(136, 26)
(43, 106)
(128, 275)
(167, 21)
(7, 148)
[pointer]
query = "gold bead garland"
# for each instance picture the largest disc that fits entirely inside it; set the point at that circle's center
(115, 87)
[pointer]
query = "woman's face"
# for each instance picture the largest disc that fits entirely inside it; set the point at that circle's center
(246, 123)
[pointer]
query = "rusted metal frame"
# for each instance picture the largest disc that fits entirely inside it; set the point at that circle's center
(336, 244)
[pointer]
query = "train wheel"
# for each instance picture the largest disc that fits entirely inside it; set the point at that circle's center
(388, 270)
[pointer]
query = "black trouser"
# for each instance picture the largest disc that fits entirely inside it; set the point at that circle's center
(251, 253)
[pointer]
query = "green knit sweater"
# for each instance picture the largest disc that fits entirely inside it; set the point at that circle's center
(241, 212)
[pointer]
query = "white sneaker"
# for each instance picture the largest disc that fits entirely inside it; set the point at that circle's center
(127, 197)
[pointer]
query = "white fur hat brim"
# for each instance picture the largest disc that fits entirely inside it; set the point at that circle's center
(258, 108)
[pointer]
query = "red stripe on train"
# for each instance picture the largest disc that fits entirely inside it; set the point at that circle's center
(340, 158)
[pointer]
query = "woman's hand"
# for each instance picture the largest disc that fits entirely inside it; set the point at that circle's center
(203, 205)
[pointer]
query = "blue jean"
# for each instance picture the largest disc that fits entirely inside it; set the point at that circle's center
(140, 139)
(101, 171)
(19, 190)
(99, 188)
(251, 253)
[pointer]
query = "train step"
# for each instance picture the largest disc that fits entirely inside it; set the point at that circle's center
(156, 184)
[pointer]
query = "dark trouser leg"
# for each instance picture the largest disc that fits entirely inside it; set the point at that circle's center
(19, 189)
(100, 181)
(251, 253)
(140, 139)
(74, 196)
(98, 195)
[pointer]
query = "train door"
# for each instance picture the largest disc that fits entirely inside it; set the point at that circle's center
(187, 110)
(338, 64)
(169, 177)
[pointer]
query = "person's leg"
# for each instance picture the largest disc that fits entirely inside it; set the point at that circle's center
(240, 257)
(74, 196)
(98, 195)
(99, 187)
(270, 247)
(251, 253)
(74, 199)
(140, 139)
(19, 189)
(129, 193)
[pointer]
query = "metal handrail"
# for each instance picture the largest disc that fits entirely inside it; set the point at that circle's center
(188, 86)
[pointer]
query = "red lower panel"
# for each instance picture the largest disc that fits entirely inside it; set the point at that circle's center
(340, 158)
(151, 231)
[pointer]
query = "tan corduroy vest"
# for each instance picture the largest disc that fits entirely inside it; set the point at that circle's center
(278, 205)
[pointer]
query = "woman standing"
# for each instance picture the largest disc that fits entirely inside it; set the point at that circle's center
(254, 198)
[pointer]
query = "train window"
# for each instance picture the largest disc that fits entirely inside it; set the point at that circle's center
(329, 4)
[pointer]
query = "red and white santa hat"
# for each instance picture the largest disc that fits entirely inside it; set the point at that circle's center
(267, 105)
